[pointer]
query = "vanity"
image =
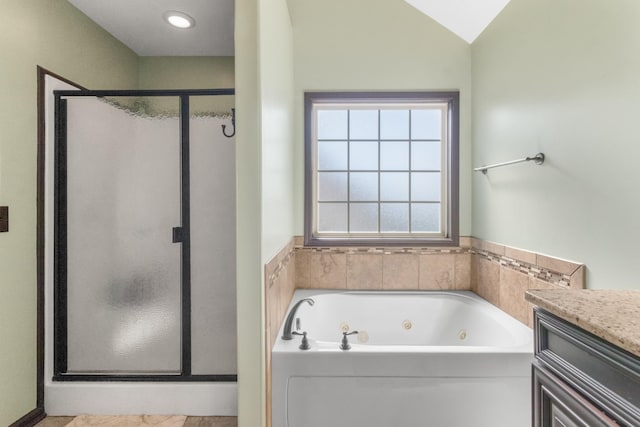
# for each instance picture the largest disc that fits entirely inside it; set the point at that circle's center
(586, 370)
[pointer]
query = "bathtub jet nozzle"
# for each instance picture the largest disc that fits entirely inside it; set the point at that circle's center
(288, 324)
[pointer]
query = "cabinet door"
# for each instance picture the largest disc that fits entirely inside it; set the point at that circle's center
(555, 404)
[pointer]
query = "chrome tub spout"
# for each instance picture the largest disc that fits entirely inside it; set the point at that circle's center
(288, 324)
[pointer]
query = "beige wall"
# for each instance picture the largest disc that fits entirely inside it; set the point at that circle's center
(561, 77)
(56, 36)
(377, 45)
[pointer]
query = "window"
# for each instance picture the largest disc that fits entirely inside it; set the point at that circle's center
(381, 168)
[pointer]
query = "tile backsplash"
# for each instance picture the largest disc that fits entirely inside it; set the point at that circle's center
(498, 273)
(501, 275)
(383, 268)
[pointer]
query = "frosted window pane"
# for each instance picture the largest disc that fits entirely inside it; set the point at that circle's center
(394, 124)
(394, 186)
(332, 155)
(364, 217)
(363, 155)
(332, 124)
(394, 217)
(363, 124)
(123, 271)
(425, 186)
(332, 186)
(332, 217)
(394, 155)
(425, 217)
(364, 186)
(213, 225)
(426, 155)
(426, 124)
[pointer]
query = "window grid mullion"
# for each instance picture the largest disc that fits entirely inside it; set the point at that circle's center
(379, 166)
(348, 171)
(381, 139)
(410, 223)
(359, 202)
(376, 170)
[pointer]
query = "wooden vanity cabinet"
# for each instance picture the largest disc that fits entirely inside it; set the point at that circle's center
(580, 380)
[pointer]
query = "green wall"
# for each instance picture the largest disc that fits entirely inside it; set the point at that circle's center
(561, 77)
(377, 45)
(277, 126)
(251, 400)
(58, 37)
(264, 165)
(186, 72)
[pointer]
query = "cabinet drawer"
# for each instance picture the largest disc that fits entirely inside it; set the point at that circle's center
(560, 406)
(606, 375)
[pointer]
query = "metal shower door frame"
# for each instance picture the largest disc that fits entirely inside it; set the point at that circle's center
(181, 235)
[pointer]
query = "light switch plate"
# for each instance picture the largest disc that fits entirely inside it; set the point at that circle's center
(4, 219)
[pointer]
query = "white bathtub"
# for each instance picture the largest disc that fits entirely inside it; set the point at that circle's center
(427, 359)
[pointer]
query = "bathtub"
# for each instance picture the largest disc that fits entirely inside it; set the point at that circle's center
(420, 359)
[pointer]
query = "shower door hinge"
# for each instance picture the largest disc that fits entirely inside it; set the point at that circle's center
(178, 235)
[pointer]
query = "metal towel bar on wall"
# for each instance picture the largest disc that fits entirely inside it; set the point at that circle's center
(538, 159)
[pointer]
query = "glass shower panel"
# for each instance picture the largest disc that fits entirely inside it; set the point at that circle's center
(213, 250)
(123, 271)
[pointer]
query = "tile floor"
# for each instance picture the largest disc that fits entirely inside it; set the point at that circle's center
(190, 422)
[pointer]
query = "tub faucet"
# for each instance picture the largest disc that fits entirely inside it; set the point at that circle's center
(288, 324)
(344, 345)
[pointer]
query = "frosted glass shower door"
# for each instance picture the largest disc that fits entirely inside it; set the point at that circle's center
(213, 248)
(123, 271)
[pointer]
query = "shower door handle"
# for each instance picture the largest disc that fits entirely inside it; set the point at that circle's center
(178, 234)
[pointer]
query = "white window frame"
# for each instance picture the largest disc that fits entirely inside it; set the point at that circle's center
(448, 102)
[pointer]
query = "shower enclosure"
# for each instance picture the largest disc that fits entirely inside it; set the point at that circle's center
(144, 232)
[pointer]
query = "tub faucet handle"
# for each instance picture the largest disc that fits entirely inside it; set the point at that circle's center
(345, 341)
(304, 345)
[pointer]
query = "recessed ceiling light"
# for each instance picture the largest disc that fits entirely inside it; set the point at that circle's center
(179, 19)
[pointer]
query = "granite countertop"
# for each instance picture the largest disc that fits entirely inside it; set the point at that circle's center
(609, 314)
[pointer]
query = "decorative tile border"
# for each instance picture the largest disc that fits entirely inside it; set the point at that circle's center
(519, 260)
(548, 269)
(530, 270)
(384, 251)
(464, 247)
(278, 263)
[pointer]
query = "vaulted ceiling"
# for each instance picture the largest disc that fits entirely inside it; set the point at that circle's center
(140, 25)
(465, 18)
